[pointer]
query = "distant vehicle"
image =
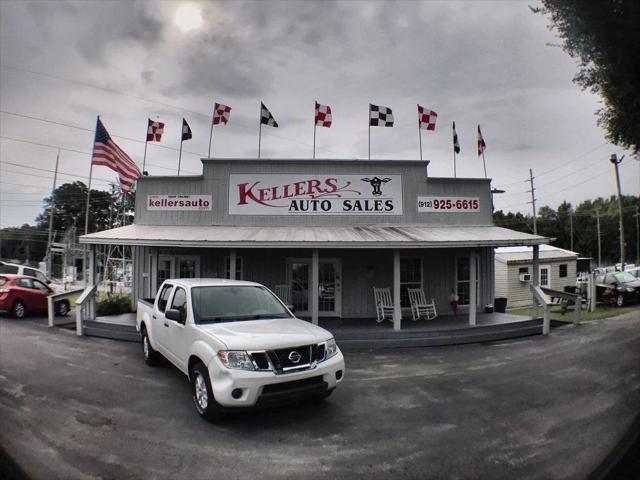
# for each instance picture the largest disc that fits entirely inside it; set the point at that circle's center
(617, 288)
(15, 269)
(238, 343)
(21, 295)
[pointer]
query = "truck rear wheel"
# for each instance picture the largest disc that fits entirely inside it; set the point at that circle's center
(151, 357)
(203, 399)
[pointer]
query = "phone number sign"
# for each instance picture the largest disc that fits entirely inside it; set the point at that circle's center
(448, 204)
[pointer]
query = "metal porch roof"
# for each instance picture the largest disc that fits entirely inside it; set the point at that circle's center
(361, 236)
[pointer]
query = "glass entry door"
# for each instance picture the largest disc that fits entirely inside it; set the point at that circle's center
(329, 286)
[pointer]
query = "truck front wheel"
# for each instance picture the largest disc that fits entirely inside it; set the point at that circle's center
(203, 398)
(151, 357)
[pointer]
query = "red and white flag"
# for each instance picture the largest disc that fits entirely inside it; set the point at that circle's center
(108, 154)
(323, 115)
(221, 114)
(481, 145)
(154, 131)
(426, 118)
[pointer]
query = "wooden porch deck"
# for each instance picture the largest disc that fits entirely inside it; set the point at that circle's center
(365, 333)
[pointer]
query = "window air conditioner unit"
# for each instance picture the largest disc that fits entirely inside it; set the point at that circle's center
(525, 277)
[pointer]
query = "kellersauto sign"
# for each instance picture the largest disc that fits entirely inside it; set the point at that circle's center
(291, 194)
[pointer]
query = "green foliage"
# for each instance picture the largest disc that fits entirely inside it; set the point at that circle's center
(557, 224)
(604, 36)
(29, 243)
(112, 303)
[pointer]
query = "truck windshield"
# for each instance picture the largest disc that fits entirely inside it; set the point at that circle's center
(234, 304)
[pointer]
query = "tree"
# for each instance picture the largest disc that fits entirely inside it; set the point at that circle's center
(604, 36)
(69, 202)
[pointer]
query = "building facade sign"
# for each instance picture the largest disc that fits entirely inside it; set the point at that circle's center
(181, 203)
(448, 204)
(315, 194)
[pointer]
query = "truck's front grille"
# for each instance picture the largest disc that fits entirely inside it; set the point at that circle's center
(288, 360)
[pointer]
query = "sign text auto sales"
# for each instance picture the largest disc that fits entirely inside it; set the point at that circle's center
(291, 194)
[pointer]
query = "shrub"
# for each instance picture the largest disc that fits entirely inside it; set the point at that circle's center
(112, 303)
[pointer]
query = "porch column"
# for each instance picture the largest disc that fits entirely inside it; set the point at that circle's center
(91, 274)
(472, 289)
(535, 279)
(313, 291)
(232, 264)
(397, 312)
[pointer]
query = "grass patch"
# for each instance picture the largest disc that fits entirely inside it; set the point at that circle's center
(556, 312)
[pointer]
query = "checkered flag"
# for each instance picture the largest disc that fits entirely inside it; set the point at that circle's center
(266, 118)
(323, 115)
(221, 114)
(426, 118)
(380, 116)
(456, 144)
(154, 131)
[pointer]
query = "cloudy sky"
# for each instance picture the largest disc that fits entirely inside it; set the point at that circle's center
(492, 63)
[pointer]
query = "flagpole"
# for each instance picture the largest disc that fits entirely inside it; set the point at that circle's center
(146, 137)
(211, 133)
(369, 115)
(180, 157)
(454, 163)
(260, 132)
(53, 189)
(484, 164)
(314, 138)
(86, 214)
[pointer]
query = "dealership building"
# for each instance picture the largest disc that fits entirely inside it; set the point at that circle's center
(327, 230)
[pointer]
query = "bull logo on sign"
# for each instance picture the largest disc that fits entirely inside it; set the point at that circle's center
(376, 183)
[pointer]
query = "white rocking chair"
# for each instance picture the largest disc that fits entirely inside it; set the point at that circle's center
(419, 305)
(384, 304)
(283, 292)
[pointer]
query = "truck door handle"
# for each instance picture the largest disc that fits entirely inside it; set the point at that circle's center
(153, 316)
(166, 324)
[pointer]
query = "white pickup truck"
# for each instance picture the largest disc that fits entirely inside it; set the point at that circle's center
(238, 343)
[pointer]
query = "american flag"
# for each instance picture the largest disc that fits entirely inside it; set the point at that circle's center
(323, 115)
(154, 131)
(481, 145)
(108, 154)
(221, 113)
(426, 118)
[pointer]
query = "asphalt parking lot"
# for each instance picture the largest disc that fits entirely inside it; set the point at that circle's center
(534, 408)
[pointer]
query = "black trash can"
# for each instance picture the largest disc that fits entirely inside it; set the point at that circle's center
(500, 304)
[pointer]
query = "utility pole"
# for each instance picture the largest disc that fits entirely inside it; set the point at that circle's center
(52, 206)
(598, 225)
(637, 215)
(571, 227)
(533, 203)
(614, 159)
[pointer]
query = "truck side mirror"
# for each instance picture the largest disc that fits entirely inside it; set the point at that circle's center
(291, 308)
(175, 315)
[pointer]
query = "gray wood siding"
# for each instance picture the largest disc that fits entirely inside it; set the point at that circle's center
(501, 282)
(215, 179)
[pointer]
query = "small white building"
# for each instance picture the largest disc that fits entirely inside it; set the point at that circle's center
(514, 272)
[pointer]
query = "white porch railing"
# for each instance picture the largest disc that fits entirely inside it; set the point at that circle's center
(51, 305)
(568, 297)
(541, 298)
(85, 308)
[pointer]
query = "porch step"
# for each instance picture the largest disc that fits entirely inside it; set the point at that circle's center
(406, 339)
(111, 330)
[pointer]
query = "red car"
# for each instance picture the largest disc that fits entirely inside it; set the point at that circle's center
(20, 294)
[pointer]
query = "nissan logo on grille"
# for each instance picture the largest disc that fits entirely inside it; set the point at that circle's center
(294, 356)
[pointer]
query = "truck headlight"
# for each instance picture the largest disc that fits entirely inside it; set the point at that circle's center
(237, 359)
(331, 348)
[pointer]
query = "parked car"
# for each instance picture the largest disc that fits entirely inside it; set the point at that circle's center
(239, 345)
(16, 269)
(20, 295)
(617, 288)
